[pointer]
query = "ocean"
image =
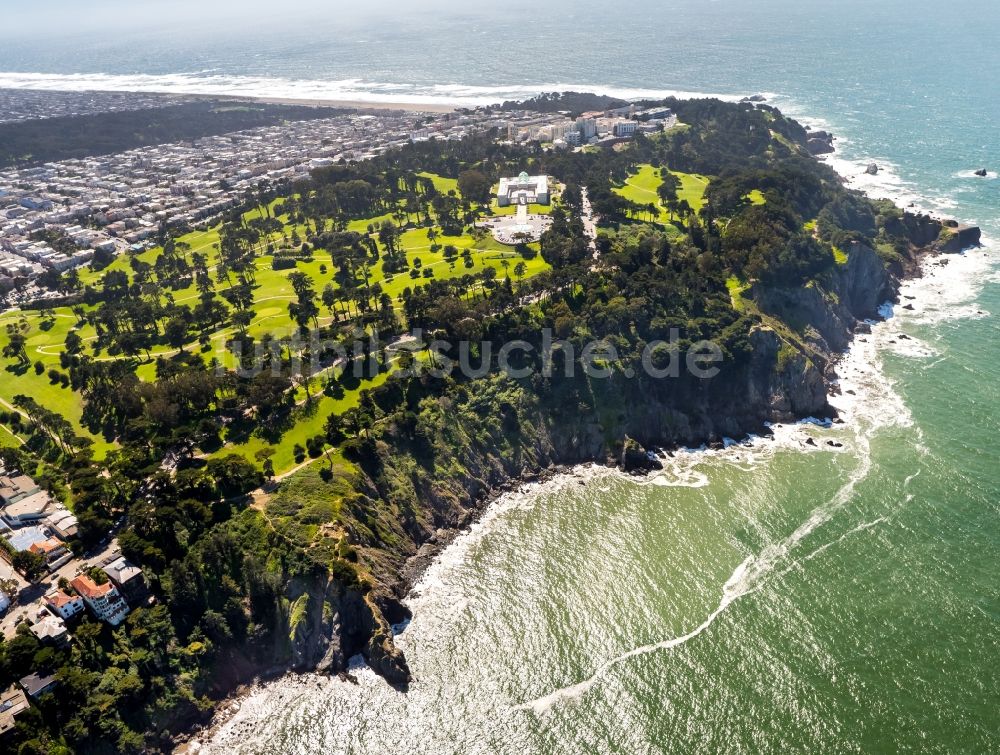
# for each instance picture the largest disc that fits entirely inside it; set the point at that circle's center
(771, 598)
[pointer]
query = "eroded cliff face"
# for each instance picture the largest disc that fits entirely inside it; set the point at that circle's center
(785, 378)
(328, 623)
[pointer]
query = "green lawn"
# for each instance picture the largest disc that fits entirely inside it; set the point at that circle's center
(46, 335)
(442, 183)
(310, 420)
(535, 209)
(736, 290)
(641, 187)
(692, 189)
(45, 339)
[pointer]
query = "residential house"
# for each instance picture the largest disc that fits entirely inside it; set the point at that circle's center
(63, 605)
(35, 685)
(129, 580)
(53, 550)
(104, 600)
(12, 704)
(49, 629)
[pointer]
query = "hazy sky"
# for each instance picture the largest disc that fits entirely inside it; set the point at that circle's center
(42, 19)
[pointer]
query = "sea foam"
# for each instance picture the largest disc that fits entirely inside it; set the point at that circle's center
(348, 90)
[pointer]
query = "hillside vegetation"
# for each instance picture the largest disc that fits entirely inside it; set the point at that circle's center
(724, 231)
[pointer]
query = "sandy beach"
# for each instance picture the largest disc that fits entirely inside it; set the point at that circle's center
(414, 107)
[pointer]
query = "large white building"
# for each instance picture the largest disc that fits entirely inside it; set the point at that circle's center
(524, 190)
(22, 500)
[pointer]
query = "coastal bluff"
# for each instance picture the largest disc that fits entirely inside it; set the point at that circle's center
(788, 376)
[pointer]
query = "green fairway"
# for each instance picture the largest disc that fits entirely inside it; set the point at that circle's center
(642, 188)
(46, 333)
(442, 183)
(692, 189)
(45, 338)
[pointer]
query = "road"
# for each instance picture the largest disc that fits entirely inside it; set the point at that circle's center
(589, 222)
(28, 601)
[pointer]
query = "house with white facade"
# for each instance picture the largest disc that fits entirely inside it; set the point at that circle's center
(63, 605)
(104, 601)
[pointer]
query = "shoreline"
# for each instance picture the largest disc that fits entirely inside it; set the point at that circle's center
(437, 108)
(851, 362)
(408, 107)
(429, 553)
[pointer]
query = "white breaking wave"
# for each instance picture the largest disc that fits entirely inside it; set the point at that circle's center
(347, 90)
(888, 183)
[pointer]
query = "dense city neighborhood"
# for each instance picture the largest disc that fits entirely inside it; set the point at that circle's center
(59, 216)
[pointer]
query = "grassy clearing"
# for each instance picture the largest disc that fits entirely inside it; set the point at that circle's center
(45, 339)
(642, 188)
(308, 420)
(692, 189)
(736, 290)
(443, 184)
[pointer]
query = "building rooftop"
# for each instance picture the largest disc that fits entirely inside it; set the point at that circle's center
(88, 588)
(58, 598)
(49, 627)
(12, 704)
(34, 684)
(121, 570)
(13, 487)
(32, 507)
(23, 539)
(46, 546)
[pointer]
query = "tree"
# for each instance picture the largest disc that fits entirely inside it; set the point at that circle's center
(304, 308)
(519, 270)
(9, 587)
(329, 298)
(15, 348)
(388, 234)
(474, 186)
(30, 564)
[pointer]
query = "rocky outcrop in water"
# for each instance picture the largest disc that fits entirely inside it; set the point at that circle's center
(958, 237)
(635, 458)
(820, 143)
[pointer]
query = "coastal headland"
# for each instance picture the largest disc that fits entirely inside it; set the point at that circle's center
(232, 418)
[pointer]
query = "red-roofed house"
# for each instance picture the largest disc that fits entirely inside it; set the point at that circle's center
(51, 550)
(104, 600)
(62, 605)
